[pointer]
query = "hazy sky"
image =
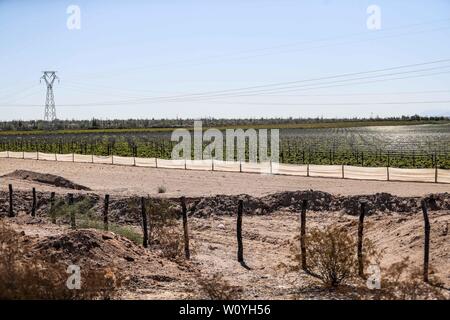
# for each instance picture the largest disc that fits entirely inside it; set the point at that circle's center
(195, 58)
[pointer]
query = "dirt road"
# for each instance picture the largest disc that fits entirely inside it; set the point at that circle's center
(124, 180)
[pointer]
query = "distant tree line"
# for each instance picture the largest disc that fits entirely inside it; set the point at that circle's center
(19, 125)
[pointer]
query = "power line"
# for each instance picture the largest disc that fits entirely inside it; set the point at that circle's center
(278, 104)
(270, 88)
(204, 59)
(277, 86)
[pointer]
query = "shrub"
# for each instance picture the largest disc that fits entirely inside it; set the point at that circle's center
(162, 219)
(26, 274)
(216, 288)
(80, 208)
(331, 255)
(162, 189)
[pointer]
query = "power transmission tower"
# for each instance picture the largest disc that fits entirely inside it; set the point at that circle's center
(50, 109)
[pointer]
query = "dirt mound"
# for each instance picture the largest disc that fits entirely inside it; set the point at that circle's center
(100, 247)
(127, 209)
(45, 178)
(317, 201)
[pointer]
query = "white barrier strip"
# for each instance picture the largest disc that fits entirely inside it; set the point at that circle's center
(412, 175)
(365, 173)
(204, 165)
(324, 171)
(443, 176)
(146, 162)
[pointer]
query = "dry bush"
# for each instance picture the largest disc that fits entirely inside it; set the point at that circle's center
(26, 274)
(165, 232)
(331, 255)
(171, 243)
(162, 217)
(162, 189)
(217, 288)
(399, 284)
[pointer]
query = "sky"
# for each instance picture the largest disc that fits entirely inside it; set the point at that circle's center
(234, 58)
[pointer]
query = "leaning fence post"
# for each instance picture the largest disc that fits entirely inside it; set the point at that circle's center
(426, 255)
(144, 223)
(105, 212)
(185, 228)
(72, 212)
(303, 233)
(33, 206)
(360, 237)
(52, 207)
(240, 253)
(11, 204)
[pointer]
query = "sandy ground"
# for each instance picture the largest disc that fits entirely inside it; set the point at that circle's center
(124, 180)
(267, 250)
(268, 239)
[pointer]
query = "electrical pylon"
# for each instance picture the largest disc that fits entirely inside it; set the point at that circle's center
(50, 109)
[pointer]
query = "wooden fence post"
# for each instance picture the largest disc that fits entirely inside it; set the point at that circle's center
(105, 212)
(343, 175)
(185, 228)
(52, 207)
(33, 206)
(363, 203)
(240, 253)
(307, 170)
(303, 234)
(426, 255)
(11, 204)
(73, 224)
(436, 173)
(144, 223)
